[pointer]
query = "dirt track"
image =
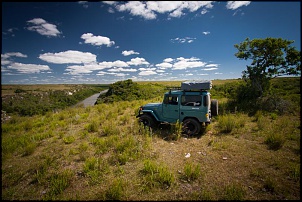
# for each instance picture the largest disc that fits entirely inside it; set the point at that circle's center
(91, 100)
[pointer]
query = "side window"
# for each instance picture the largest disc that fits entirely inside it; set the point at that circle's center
(173, 100)
(191, 100)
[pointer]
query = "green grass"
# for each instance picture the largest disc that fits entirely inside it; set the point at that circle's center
(103, 153)
(156, 175)
(191, 172)
(234, 192)
(58, 183)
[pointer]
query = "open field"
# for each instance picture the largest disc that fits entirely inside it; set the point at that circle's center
(177, 83)
(10, 89)
(102, 153)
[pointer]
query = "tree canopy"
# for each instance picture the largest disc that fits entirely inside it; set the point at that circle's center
(271, 57)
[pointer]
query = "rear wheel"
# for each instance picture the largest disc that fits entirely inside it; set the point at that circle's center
(147, 120)
(214, 107)
(191, 126)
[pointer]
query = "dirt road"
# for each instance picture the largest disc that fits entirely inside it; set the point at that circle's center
(91, 100)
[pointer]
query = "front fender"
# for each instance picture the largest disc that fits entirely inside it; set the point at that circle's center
(146, 111)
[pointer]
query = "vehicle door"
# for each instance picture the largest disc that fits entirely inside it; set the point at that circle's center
(171, 108)
(191, 106)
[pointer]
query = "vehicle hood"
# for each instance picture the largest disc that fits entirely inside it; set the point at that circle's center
(151, 105)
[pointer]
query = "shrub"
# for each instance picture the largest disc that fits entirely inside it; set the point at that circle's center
(115, 191)
(191, 171)
(233, 192)
(226, 123)
(157, 175)
(58, 183)
(92, 127)
(128, 91)
(274, 140)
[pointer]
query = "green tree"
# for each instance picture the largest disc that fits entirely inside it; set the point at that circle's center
(271, 57)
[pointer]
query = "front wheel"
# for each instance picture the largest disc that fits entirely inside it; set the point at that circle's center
(147, 120)
(191, 126)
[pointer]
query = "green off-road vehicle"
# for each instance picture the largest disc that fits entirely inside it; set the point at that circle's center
(191, 105)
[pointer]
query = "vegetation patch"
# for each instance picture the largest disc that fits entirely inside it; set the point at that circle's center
(103, 153)
(128, 91)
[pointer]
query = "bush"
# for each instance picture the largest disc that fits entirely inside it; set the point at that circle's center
(275, 140)
(29, 104)
(128, 91)
(226, 123)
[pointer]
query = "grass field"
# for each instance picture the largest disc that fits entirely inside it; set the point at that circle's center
(102, 153)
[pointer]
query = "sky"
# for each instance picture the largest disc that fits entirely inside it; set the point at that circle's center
(105, 42)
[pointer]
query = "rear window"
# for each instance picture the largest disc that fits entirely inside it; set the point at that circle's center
(206, 100)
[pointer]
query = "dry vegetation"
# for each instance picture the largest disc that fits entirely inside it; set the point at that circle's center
(102, 153)
(10, 89)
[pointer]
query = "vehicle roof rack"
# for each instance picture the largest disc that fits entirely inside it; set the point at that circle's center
(173, 88)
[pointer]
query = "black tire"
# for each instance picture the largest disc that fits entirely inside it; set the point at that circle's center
(191, 126)
(214, 107)
(147, 120)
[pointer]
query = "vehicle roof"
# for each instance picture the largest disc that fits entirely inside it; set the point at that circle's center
(182, 92)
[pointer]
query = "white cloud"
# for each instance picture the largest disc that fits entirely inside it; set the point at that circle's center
(120, 69)
(217, 73)
(10, 32)
(89, 38)
(117, 66)
(183, 40)
(212, 65)
(138, 61)
(147, 73)
(184, 63)
(233, 5)
(206, 33)
(192, 6)
(137, 8)
(130, 52)
(149, 9)
(204, 11)
(110, 2)
(84, 3)
(77, 69)
(42, 27)
(111, 10)
(121, 74)
(168, 60)
(85, 69)
(147, 69)
(28, 68)
(210, 69)
(164, 65)
(16, 54)
(119, 63)
(5, 58)
(163, 6)
(72, 57)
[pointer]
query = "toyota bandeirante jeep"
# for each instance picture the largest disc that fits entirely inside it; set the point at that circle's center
(190, 105)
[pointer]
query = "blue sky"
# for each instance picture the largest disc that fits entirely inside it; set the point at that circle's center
(104, 42)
